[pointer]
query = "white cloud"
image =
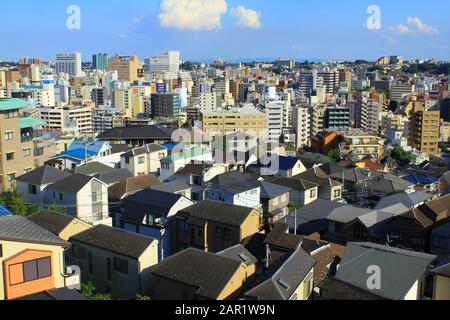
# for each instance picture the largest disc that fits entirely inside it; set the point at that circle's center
(137, 19)
(196, 15)
(421, 26)
(247, 18)
(122, 35)
(413, 25)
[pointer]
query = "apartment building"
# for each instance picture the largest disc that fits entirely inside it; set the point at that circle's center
(302, 126)
(69, 118)
(23, 145)
(361, 143)
(223, 122)
(424, 129)
(399, 90)
(126, 67)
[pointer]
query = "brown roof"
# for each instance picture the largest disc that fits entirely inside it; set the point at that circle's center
(279, 238)
(120, 189)
(431, 212)
(193, 169)
(324, 257)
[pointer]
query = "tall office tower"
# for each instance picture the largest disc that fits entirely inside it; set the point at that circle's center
(165, 105)
(100, 61)
(183, 94)
(275, 117)
(330, 80)
(399, 90)
(170, 62)
(317, 114)
(69, 63)
(301, 120)
(98, 96)
(424, 129)
(337, 118)
(127, 67)
(61, 91)
(345, 76)
(367, 114)
(48, 90)
(35, 74)
(234, 88)
(310, 82)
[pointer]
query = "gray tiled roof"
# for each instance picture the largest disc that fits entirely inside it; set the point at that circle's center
(72, 184)
(210, 273)
(115, 240)
(44, 175)
(270, 190)
(114, 175)
(400, 269)
(218, 211)
(283, 283)
(92, 168)
(17, 228)
(172, 186)
(52, 221)
(409, 200)
(239, 253)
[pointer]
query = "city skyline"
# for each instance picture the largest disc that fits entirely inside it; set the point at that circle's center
(229, 30)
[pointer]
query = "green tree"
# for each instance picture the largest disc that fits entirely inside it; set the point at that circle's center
(89, 291)
(334, 155)
(401, 156)
(16, 204)
(142, 298)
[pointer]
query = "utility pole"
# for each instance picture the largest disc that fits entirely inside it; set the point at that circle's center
(295, 223)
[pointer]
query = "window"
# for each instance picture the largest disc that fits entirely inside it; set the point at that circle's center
(96, 196)
(1, 251)
(141, 160)
(313, 193)
(437, 242)
(91, 267)
(395, 236)
(12, 114)
(9, 136)
(182, 225)
(61, 197)
(127, 160)
(337, 193)
(26, 152)
(32, 189)
(78, 252)
(222, 233)
(10, 156)
(36, 269)
(11, 177)
(121, 265)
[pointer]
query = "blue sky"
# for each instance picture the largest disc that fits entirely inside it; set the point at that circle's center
(320, 29)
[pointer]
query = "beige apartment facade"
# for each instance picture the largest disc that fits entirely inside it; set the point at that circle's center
(424, 129)
(222, 123)
(23, 146)
(127, 67)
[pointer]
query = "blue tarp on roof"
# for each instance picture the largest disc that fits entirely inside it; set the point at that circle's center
(79, 154)
(287, 163)
(91, 146)
(4, 211)
(421, 179)
(170, 147)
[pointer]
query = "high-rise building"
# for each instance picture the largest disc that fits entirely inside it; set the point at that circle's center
(302, 125)
(48, 90)
(330, 80)
(165, 105)
(170, 62)
(337, 118)
(367, 114)
(67, 119)
(310, 82)
(69, 63)
(100, 61)
(22, 146)
(275, 119)
(424, 129)
(317, 113)
(127, 68)
(399, 90)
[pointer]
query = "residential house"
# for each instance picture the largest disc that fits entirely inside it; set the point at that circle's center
(84, 197)
(150, 212)
(402, 272)
(414, 228)
(327, 188)
(440, 241)
(285, 270)
(213, 226)
(59, 224)
(137, 136)
(144, 160)
(117, 262)
(287, 167)
(411, 200)
(31, 258)
(177, 160)
(113, 176)
(302, 192)
(31, 186)
(176, 186)
(91, 168)
(193, 275)
(275, 200)
(234, 188)
(332, 289)
(128, 186)
(441, 286)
